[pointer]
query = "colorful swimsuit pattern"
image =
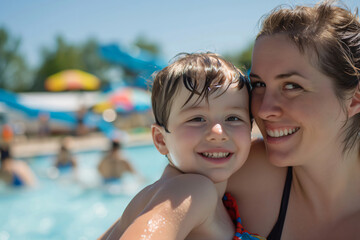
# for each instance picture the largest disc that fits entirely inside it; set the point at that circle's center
(232, 209)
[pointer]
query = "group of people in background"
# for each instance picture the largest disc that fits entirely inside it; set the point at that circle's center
(17, 173)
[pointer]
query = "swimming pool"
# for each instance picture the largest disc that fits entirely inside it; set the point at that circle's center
(66, 207)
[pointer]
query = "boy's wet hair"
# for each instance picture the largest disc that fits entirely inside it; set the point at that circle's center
(201, 73)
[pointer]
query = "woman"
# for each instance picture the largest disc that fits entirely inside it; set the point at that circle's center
(303, 180)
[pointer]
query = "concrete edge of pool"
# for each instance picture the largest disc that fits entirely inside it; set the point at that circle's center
(24, 148)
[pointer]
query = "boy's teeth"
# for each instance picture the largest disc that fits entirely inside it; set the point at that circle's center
(281, 133)
(216, 154)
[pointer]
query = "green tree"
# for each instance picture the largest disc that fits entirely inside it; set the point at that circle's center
(64, 56)
(84, 56)
(145, 44)
(92, 61)
(14, 71)
(243, 59)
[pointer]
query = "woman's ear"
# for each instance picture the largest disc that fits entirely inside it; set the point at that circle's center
(354, 107)
(158, 133)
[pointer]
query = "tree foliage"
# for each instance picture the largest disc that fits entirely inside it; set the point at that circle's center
(15, 74)
(84, 56)
(145, 44)
(69, 56)
(242, 59)
(14, 71)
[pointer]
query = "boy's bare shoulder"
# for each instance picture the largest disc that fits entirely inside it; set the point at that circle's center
(177, 189)
(197, 186)
(192, 194)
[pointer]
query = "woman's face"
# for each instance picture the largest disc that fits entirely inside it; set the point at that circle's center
(294, 104)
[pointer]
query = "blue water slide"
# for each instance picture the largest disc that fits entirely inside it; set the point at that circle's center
(143, 63)
(69, 118)
(12, 101)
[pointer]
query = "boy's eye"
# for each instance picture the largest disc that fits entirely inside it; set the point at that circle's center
(197, 119)
(233, 118)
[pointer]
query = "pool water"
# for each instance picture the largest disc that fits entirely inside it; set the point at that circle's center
(65, 206)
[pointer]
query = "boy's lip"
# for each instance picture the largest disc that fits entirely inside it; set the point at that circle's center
(217, 156)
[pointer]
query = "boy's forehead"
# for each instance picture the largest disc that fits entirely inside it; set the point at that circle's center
(183, 94)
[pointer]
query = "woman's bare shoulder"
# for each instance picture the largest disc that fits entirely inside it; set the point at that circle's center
(257, 172)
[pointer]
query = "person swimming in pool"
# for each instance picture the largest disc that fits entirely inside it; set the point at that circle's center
(114, 165)
(203, 127)
(65, 161)
(15, 173)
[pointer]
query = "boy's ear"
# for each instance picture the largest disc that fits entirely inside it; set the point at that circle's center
(157, 133)
(354, 107)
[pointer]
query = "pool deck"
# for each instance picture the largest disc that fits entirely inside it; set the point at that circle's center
(25, 148)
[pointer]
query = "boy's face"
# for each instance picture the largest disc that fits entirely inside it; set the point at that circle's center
(212, 139)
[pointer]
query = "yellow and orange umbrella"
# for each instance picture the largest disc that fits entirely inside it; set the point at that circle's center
(72, 80)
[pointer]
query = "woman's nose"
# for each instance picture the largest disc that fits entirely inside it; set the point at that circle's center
(217, 134)
(267, 106)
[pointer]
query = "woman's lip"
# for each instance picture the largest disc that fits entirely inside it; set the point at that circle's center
(277, 140)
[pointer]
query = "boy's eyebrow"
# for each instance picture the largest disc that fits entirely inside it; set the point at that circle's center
(196, 108)
(189, 107)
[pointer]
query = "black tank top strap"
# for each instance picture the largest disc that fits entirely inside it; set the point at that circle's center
(276, 232)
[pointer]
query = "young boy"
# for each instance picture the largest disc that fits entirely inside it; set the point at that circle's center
(201, 108)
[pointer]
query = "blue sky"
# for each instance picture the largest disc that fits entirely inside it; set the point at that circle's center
(178, 26)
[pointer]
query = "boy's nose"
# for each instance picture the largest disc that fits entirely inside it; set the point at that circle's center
(217, 134)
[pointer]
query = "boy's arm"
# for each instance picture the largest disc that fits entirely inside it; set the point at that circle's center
(182, 204)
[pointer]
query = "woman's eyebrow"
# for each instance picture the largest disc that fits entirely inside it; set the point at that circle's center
(288, 75)
(280, 76)
(253, 75)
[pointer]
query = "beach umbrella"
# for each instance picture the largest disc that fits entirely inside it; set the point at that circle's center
(125, 100)
(72, 80)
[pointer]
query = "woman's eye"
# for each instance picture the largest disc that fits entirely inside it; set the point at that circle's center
(292, 86)
(233, 118)
(257, 84)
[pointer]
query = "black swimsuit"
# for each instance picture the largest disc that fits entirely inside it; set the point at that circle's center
(275, 233)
